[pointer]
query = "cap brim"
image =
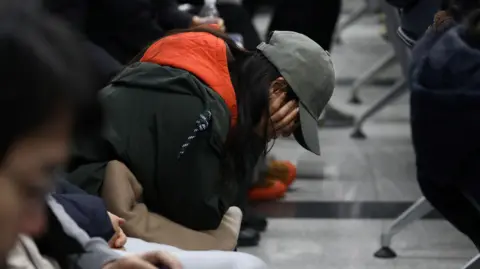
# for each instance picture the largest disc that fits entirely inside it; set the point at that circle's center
(307, 134)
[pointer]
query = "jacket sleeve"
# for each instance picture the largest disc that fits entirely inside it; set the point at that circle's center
(170, 17)
(88, 212)
(96, 252)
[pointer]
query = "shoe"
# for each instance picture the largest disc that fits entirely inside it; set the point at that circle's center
(285, 171)
(269, 189)
(255, 221)
(248, 237)
(335, 118)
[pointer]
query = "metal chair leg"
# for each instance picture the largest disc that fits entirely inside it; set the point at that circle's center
(398, 89)
(473, 263)
(415, 212)
(364, 78)
(352, 18)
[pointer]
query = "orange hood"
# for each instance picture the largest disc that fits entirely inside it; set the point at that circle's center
(201, 54)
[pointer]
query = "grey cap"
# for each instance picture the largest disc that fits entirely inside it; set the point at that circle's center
(308, 69)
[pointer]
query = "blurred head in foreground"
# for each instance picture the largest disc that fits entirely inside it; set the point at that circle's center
(47, 94)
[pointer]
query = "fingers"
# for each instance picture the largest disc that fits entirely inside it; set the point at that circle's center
(162, 258)
(121, 221)
(276, 102)
(113, 240)
(288, 130)
(283, 112)
(290, 119)
(121, 240)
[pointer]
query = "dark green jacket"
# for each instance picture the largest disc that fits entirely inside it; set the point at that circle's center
(152, 110)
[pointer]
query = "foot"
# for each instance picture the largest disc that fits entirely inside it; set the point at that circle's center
(284, 171)
(335, 118)
(255, 221)
(269, 189)
(248, 237)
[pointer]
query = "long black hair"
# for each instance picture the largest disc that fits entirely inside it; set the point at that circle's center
(43, 68)
(252, 75)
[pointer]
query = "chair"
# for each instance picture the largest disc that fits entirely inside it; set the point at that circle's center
(415, 212)
(364, 78)
(402, 53)
(353, 17)
(473, 263)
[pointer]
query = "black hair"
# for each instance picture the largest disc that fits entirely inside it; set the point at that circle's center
(43, 69)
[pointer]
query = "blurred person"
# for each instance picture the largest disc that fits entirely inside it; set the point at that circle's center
(170, 17)
(445, 114)
(113, 31)
(236, 18)
(191, 124)
(47, 85)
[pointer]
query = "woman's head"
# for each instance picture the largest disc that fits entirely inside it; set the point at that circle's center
(47, 89)
(288, 62)
(300, 68)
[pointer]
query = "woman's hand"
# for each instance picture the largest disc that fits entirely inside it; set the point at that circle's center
(150, 260)
(282, 120)
(119, 238)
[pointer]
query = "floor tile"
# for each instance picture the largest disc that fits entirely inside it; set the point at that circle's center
(351, 244)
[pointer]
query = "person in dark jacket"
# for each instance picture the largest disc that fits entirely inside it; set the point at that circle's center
(191, 123)
(114, 31)
(237, 20)
(445, 118)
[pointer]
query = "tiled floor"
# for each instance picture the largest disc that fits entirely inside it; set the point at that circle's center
(341, 244)
(372, 180)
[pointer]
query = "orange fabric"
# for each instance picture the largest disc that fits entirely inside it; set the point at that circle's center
(201, 54)
(282, 170)
(274, 190)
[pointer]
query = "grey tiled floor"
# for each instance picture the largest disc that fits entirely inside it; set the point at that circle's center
(379, 169)
(341, 244)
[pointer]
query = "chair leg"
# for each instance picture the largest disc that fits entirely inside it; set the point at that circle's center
(364, 78)
(473, 263)
(415, 212)
(351, 19)
(397, 90)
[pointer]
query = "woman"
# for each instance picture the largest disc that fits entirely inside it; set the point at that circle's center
(191, 117)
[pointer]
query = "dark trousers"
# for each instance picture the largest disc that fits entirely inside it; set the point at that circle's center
(457, 206)
(313, 18)
(237, 20)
